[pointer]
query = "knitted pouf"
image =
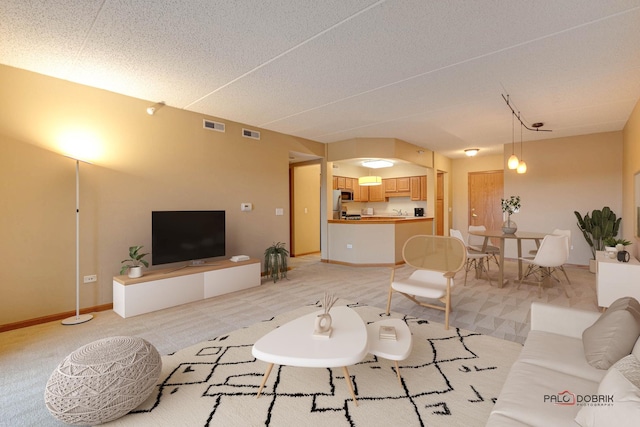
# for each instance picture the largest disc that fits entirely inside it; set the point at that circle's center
(103, 380)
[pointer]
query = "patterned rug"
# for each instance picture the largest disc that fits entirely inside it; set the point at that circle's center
(451, 378)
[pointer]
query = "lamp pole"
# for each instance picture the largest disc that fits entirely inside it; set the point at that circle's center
(78, 318)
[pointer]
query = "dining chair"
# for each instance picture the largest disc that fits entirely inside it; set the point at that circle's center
(436, 260)
(476, 242)
(559, 232)
(551, 255)
(475, 259)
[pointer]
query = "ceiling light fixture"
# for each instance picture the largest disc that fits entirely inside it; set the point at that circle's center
(377, 164)
(522, 166)
(369, 180)
(155, 107)
(470, 152)
(513, 161)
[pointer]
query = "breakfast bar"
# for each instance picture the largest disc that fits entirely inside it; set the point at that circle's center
(373, 240)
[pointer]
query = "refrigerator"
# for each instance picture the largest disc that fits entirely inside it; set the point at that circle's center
(337, 203)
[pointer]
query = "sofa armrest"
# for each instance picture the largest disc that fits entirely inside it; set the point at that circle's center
(567, 321)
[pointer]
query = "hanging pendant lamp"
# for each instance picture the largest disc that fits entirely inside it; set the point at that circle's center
(513, 161)
(522, 166)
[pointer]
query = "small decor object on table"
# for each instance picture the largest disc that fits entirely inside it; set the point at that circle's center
(509, 207)
(387, 333)
(134, 262)
(323, 321)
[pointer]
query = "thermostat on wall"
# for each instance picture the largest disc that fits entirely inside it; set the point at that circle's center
(245, 207)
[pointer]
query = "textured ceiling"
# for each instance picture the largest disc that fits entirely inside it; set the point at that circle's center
(429, 72)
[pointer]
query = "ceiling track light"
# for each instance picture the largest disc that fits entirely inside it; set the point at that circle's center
(155, 107)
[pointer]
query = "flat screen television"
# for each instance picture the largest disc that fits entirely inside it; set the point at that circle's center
(178, 236)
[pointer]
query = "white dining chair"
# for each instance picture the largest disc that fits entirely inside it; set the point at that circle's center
(559, 232)
(477, 242)
(475, 259)
(552, 254)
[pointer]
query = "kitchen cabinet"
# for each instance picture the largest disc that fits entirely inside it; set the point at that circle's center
(423, 188)
(403, 184)
(342, 184)
(335, 182)
(390, 185)
(376, 193)
(418, 188)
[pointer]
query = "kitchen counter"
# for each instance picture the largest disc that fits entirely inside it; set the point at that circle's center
(373, 240)
(381, 219)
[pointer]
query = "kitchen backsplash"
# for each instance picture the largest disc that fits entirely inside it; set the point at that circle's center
(382, 208)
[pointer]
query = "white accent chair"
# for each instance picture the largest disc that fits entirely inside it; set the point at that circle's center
(552, 254)
(436, 259)
(476, 242)
(475, 259)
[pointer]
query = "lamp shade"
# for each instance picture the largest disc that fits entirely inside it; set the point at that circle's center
(369, 180)
(522, 167)
(513, 162)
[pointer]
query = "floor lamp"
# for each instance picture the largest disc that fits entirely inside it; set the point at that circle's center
(78, 318)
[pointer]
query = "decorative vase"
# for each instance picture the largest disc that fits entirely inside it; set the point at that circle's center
(323, 323)
(135, 272)
(509, 226)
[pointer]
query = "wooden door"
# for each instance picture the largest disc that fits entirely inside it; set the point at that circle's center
(439, 204)
(485, 191)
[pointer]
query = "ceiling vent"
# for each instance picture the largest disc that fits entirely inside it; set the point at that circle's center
(211, 125)
(254, 134)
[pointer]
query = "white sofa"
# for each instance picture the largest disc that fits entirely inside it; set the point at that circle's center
(552, 361)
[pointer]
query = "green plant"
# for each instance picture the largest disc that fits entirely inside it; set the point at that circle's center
(612, 241)
(598, 227)
(275, 261)
(511, 205)
(135, 259)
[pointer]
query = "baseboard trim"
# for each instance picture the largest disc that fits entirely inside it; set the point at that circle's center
(53, 317)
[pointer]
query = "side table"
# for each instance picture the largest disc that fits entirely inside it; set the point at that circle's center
(398, 349)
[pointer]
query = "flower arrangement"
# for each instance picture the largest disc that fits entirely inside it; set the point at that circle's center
(511, 205)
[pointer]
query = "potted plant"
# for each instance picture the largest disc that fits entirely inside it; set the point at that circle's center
(134, 262)
(509, 207)
(275, 261)
(596, 228)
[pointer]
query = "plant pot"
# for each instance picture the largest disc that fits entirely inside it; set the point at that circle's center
(509, 226)
(593, 266)
(135, 272)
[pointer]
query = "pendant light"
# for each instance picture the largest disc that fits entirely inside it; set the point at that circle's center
(522, 166)
(513, 161)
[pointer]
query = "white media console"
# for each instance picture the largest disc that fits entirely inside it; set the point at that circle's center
(160, 289)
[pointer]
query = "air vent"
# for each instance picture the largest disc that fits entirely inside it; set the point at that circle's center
(211, 125)
(254, 134)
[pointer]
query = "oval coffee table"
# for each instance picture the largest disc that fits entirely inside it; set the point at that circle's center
(294, 344)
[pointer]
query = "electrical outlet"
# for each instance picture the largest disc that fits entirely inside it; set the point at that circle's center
(91, 278)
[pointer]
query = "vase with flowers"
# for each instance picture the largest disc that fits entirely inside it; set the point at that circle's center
(509, 207)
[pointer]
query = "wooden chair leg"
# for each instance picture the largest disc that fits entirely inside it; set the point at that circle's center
(393, 274)
(447, 307)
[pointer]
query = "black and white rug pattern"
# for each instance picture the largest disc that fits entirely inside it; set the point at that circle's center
(451, 378)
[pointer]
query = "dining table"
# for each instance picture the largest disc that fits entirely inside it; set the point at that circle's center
(499, 235)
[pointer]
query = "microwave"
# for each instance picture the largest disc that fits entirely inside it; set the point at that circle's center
(346, 195)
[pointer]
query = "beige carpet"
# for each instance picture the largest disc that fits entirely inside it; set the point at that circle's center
(451, 378)
(29, 355)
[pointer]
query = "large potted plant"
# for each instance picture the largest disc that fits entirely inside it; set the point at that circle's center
(275, 261)
(134, 263)
(596, 228)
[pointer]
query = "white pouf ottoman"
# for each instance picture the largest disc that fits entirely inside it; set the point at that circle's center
(103, 380)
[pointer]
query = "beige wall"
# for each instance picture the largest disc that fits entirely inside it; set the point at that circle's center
(631, 184)
(161, 162)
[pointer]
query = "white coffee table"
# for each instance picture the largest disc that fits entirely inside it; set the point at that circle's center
(398, 349)
(293, 344)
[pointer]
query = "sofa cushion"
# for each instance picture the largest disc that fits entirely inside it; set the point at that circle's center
(526, 398)
(559, 353)
(614, 334)
(622, 381)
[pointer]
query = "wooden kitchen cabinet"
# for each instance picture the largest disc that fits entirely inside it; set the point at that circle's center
(390, 185)
(335, 182)
(376, 193)
(415, 188)
(423, 188)
(342, 183)
(403, 184)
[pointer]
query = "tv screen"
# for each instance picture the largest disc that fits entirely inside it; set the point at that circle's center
(186, 235)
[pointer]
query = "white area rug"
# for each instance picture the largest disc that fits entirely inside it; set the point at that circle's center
(451, 378)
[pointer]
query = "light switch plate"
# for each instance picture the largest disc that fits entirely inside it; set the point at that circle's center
(279, 211)
(246, 207)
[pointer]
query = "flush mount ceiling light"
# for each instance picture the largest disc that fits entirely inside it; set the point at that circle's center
(377, 164)
(155, 107)
(369, 180)
(470, 152)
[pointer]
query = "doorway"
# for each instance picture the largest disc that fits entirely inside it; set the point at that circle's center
(486, 189)
(304, 193)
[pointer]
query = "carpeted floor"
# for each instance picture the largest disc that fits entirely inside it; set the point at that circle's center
(29, 355)
(451, 378)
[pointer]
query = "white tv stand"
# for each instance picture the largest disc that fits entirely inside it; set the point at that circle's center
(159, 289)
